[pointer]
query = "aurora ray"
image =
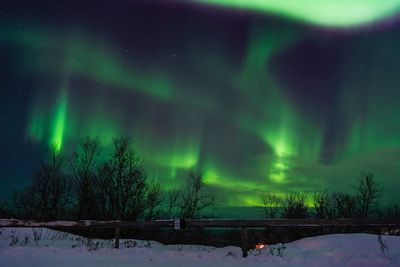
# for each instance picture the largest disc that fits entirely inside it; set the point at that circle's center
(59, 121)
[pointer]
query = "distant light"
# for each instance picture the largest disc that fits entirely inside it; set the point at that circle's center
(261, 246)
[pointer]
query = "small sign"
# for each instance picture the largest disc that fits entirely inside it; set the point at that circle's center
(179, 224)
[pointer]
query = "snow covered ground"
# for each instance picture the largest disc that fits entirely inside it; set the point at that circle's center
(18, 248)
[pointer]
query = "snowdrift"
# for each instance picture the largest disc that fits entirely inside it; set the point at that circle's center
(44, 247)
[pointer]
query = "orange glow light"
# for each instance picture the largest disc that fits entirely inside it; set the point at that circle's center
(260, 246)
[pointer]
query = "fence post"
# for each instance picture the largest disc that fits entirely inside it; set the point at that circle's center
(117, 234)
(244, 241)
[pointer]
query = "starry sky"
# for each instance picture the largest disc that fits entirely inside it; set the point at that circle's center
(258, 95)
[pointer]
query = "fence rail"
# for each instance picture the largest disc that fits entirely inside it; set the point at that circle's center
(306, 223)
(212, 223)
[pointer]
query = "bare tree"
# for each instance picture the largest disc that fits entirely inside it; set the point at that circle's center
(123, 183)
(368, 192)
(153, 200)
(194, 200)
(103, 191)
(321, 204)
(334, 205)
(393, 211)
(271, 203)
(52, 187)
(25, 203)
(294, 206)
(84, 165)
(173, 198)
(4, 210)
(343, 205)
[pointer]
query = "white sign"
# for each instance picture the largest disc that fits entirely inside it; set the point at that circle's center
(177, 224)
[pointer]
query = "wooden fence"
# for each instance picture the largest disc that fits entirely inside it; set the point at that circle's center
(212, 223)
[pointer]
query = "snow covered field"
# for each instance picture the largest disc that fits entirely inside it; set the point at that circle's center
(18, 248)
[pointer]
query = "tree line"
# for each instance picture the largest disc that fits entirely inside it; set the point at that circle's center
(362, 203)
(85, 186)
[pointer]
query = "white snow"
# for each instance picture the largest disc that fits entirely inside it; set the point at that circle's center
(18, 248)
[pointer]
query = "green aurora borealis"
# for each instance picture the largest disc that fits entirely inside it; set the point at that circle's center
(328, 13)
(257, 95)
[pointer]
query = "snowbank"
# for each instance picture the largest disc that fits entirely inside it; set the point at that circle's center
(18, 247)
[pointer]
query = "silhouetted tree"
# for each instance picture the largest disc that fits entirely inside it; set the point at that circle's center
(344, 205)
(173, 197)
(393, 211)
(334, 205)
(103, 193)
(193, 199)
(271, 203)
(51, 186)
(5, 211)
(84, 166)
(153, 200)
(321, 204)
(25, 203)
(123, 183)
(368, 192)
(294, 206)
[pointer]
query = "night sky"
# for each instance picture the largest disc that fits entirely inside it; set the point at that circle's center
(259, 96)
